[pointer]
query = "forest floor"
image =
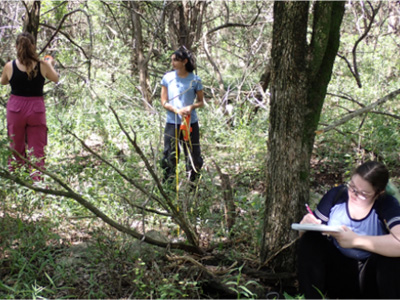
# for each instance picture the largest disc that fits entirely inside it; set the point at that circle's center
(80, 257)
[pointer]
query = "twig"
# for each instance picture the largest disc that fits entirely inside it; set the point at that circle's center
(346, 97)
(226, 25)
(59, 28)
(54, 8)
(67, 36)
(361, 111)
(138, 186)
(142, 207)
(385, 114)
(176, 214)
(142, 156)
(354, 69)
(277, 252)
(97, 212)
(229, 204)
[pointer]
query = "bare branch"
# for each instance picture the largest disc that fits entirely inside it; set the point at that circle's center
(216, 69)
(361, 111)
(113, 16)
(97, 212)
(355, 75)
(26, 7)
(142, 156)
(277, 252)
(347, 97)
(363, 36)
(354, 70)
(385, 114)
(59, 28)
(144, 208)
(68, 37)
(54, 8)
(176, 214)
(136, 185)
(227, 25)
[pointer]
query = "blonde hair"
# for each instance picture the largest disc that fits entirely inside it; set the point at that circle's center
(26, 53)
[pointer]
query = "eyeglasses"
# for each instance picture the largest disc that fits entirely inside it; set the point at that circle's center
(360, 195)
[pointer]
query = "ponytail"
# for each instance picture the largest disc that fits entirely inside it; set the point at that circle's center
(26, 53)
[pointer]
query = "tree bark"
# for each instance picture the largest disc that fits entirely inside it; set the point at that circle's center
(32, 17)
(141, 60)
(186, 23)
(300, 74)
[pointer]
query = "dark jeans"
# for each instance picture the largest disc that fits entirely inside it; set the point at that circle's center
(322, 268)
(192, 152)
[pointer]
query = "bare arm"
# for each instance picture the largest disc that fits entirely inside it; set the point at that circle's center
(7, 73)
(386, 245)
(199, 100)
(164, 100)
(48, 70)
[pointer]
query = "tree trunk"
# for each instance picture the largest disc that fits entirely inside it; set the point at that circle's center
(141, 60)
(186, 23)
(300, 74)
(32, 17)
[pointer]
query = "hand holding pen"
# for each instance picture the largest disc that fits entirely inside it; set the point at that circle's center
(310, 217)
(309, 209)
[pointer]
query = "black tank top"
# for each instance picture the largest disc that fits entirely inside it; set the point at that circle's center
(22, 86)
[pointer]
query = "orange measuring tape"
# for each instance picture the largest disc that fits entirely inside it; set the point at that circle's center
(186, 128)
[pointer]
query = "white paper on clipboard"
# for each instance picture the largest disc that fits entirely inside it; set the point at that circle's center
(316, 227)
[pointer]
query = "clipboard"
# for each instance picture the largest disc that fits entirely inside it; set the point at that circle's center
(316, 227)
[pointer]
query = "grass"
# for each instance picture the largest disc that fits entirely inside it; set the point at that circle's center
(42, 259)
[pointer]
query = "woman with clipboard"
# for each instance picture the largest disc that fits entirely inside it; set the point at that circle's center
(362, 260)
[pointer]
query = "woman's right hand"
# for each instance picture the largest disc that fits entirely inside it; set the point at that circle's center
(184, 111)
(310, 219)
(48, 70)
(50, 59)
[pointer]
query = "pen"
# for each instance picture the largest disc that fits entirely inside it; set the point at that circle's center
(309, 210)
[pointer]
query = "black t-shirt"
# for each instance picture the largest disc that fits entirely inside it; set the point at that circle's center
(22, 86)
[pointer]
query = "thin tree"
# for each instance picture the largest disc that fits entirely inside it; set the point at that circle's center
(142, 59)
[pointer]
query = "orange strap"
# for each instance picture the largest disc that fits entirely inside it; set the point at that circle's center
(186, 128)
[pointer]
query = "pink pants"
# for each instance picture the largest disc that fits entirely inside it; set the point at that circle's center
(26, 123)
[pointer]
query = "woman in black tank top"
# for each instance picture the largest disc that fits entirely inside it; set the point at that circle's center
(26, 113)
(21, 85)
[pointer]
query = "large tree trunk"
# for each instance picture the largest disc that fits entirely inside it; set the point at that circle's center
(299, 78)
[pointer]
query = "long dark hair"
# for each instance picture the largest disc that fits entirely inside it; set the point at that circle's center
(181, 54)
(375, 173)
(26, 53)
